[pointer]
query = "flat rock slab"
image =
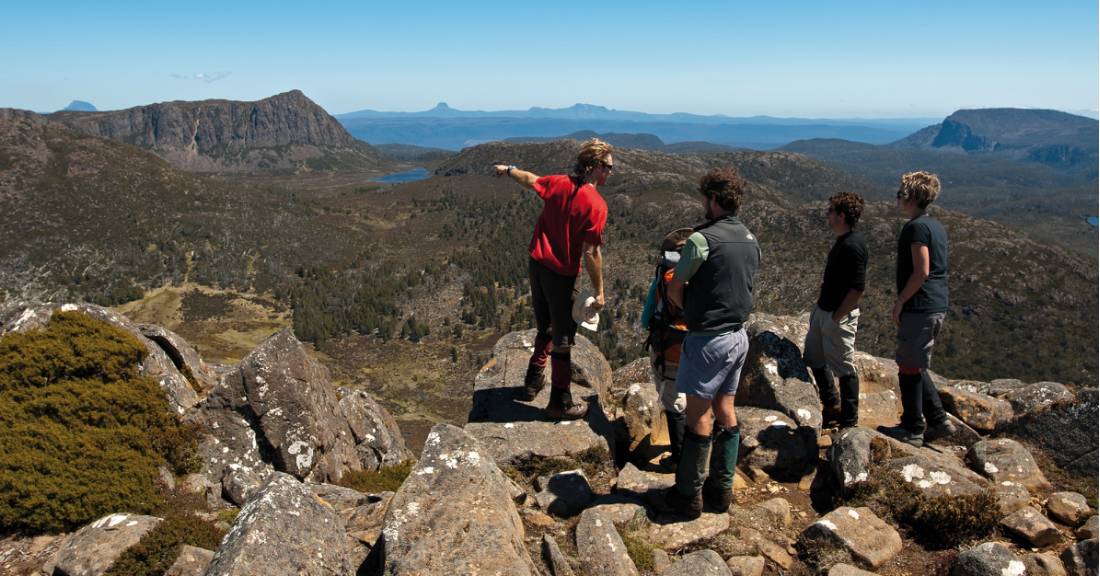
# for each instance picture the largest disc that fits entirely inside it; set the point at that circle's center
(92, 549)
(1037, 397)
(775, 443)
(192, 561)
(1069, 508)
(670, 534)
(859, 531)
(774, 375)
(1011, 496)
(746, 565)
(988, 559)
(1069, 431)
(564, 494)
(698, 563)
(283, 529)
(600, 548)
(933, 478)
(980, 411)
(635, 482)
(1005, 459)
(1031, 527)
(454, 514)
(552, 555)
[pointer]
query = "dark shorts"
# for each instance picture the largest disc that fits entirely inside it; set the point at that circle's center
(552, 299)
(916, 336)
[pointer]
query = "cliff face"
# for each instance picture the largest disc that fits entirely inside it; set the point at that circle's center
(285, 131)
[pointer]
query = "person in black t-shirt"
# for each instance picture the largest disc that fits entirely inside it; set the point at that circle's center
(920, 310)
(831, 341)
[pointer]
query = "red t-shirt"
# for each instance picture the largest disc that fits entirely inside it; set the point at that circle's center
(570, 218)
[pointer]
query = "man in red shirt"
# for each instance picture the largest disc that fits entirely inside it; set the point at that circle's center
(569, 230)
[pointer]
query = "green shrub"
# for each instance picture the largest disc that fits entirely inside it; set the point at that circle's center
(160, 547)
(638, 546)
(937, 521)
(385, 479)
(81, 430)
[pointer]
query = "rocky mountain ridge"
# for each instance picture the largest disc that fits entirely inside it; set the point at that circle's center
(513, 493)
(285, 132)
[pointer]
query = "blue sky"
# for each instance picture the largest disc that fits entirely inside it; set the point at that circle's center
(782, 58)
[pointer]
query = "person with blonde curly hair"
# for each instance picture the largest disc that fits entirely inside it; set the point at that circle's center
(831, 341)
(569, 230)
(920, 310)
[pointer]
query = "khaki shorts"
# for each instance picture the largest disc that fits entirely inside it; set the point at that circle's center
(832, 345)
(916, 336)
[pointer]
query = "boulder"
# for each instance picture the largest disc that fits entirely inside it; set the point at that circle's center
(91, 550)
(230, 444)
(847, 570)
(618, 509)
(181, 395)
(863, 535)
(1011, 496)
(774, 376)
(772, 441)
(600, 548)
(850, 456)
(641, 413)
(671, 533)
(746, 565)
(698, 563)
(1037, 397)
(296, 408)
(1044, 565)
(202, 376)
(1090, 530)
(511, 429)
(454, 514)
(1069, 508)
(779, 509)
(377, 436)
(1002, 386)
(1005, 459)
(192, 561)
(555, 560)
(239, 483)
(564, 494)
(988, 559)
(1031, 527)
(365, 521)
(633, 481)
(1068, 431)
(1081, 558)
(636, 372)
(284, 529)
(980, 411)
(936, 478)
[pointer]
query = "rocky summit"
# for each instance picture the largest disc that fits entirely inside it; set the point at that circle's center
(513, 492)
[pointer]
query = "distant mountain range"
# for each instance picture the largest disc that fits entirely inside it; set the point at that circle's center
(285, 132)
(446, 127)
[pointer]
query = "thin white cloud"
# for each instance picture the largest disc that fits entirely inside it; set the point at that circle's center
(206, 77)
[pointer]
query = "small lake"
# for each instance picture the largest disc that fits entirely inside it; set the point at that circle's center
(405, 176)
(1093, 220)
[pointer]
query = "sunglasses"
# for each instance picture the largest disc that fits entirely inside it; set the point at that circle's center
(610, 167)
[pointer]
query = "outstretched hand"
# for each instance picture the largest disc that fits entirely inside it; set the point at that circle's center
(500, 169)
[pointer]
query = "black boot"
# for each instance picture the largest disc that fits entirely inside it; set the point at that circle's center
(849, 400)
(562, 406)
(718, 489)
(826, 390)
(686, 497)
(533, 382)
(676, 424)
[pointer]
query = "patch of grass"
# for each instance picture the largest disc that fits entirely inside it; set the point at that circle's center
(638, 546)
(939, 522)
(821, 555)
(81, 430)
(160, 547)
(385, 479)
(228, 515)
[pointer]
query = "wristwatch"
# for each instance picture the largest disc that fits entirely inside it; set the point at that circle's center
(510, 168)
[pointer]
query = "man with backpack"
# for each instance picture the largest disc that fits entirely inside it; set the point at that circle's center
(569, 229)
(666, 326)
(831, 341)
(713, 284)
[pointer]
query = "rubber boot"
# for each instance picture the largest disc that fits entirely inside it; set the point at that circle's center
(686, 497)
(676, 424)
(849, 400)
(562, 406)
(718, 489)
(830, 404)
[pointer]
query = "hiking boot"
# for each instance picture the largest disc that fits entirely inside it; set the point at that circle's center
(533, 382)
(716, 498)
(945, 429)
(562, 406)
(718, 487)
(671, 501)
(903, 434)
(830, 416)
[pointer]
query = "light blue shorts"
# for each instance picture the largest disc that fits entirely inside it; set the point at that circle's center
(711, 365)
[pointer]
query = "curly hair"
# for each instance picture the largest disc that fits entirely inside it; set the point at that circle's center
(725, 186)
(593, 153)
(920, 187)
(848, 204)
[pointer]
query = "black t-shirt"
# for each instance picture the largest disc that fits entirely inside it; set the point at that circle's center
(846, 269)
(932, 296)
